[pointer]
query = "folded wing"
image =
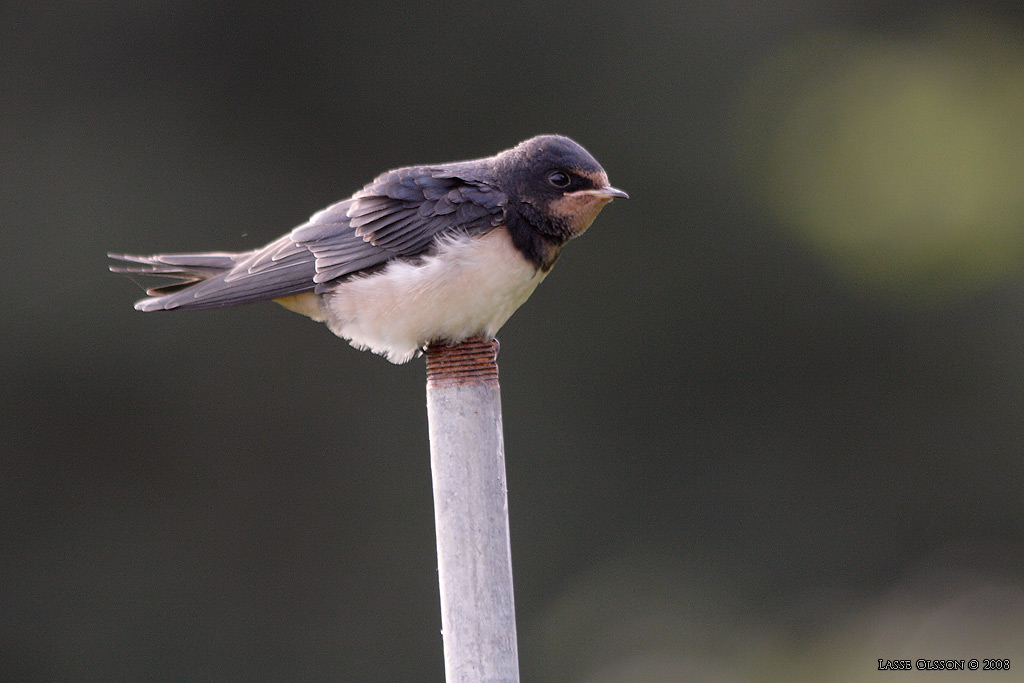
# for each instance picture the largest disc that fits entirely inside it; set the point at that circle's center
(399, 215)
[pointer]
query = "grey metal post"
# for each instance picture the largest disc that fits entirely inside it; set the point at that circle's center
(474, 558)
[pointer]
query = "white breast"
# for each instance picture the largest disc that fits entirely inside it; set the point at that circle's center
(470, 287)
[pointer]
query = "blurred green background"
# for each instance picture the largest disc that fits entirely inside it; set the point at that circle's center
(764, 422)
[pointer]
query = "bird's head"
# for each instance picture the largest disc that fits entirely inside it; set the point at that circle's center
(555, 184)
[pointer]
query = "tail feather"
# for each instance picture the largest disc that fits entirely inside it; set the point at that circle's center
(175, 265)
(220, 279)
(188, 269)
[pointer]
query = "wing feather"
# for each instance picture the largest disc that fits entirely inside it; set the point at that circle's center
(400, 214)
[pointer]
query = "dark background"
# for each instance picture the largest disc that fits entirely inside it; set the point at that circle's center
(763, 422)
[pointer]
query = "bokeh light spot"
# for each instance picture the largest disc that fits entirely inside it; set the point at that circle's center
(899, 159)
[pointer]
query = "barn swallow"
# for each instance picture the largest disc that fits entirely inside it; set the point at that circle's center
(421, 255)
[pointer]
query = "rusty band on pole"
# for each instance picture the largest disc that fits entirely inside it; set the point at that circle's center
(474, 361)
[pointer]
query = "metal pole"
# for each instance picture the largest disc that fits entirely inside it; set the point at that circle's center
(474, 558)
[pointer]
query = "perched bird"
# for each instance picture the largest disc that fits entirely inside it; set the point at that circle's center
(421, 255)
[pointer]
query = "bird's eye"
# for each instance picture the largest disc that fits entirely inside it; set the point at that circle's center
(559, 178)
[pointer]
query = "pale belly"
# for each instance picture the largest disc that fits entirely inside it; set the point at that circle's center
(470, 288)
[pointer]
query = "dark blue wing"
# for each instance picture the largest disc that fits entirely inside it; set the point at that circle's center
(398, 214)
